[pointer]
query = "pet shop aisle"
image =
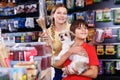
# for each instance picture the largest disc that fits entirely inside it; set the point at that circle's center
(103, 19)
(107, 78)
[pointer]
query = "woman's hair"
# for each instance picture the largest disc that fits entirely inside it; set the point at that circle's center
(55, 8)
(58, 5)
(77, 23)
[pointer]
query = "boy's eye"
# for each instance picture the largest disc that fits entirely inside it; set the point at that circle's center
(79, 28)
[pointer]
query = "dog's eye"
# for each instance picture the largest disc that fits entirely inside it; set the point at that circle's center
(65, 34)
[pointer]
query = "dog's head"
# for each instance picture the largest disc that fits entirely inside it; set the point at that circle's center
(65, 36)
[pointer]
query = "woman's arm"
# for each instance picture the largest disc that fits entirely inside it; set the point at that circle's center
(63, 58)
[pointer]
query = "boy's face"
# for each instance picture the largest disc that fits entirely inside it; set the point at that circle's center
(81, 32)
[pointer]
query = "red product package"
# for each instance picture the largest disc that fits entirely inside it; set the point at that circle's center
(89, 2)
(30, 51)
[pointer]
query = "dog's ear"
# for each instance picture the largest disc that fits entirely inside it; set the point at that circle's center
(72, 35)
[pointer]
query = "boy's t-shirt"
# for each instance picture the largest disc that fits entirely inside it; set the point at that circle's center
(93, 60)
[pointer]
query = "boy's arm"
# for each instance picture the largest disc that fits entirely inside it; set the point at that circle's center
(92, 72)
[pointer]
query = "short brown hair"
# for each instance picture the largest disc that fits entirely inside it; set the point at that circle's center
(77, 23)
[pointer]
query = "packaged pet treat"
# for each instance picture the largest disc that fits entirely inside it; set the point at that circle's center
(117, 65)
(70, 4)
(89, 17)
(88, 2)
(106, 14)
(99, 15)
(80, 15)
(109, 67)
(100, 50)
(50, 4)
(59, 1)
(110, 49)
(70, 18)
(29, 22)
(116, 16)
(107, 33)
(118, 51)
(19, 9)
(91, 33)
(117, 1)
(118, 34)
(101, 67)
(95, 1)
(3, 24)
(99, 35)
(31, 8)
(80, 3)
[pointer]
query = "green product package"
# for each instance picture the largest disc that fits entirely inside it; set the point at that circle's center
(116, 16)
(118, 34)
(117, 1)
(118, 51)
(95, 1)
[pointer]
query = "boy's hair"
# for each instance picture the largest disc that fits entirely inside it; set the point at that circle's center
(75, 24)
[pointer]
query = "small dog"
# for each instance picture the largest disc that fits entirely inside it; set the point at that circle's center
(79, 62)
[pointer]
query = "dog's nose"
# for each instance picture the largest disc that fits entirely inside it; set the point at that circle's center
(61, 36)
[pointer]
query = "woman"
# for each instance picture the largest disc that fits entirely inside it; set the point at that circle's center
(80, 31)
(59, 23)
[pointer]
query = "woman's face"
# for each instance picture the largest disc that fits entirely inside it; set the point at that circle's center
(60, 15)
(81, 32)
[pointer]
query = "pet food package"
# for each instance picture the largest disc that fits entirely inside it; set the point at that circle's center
(118, 51)
(50, 4)
(116, 15)
(70, 18)
(89, 17)
(106, 14)
(117, 65)
(80, 3)
(19, 9)
(99, 15)
(117, 1)
(88, 2)
(70, 4)
(59, 1)
(107, 33)
(110, 49)
(100, 49)
(31, 8)
(118, 34)
(99, 35)
(110, 67)
(29, 22)
(91, 33)
(80, 15)
(101, 67)
(96, 1)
